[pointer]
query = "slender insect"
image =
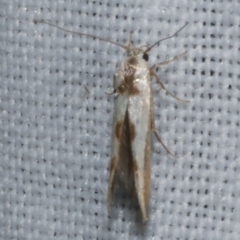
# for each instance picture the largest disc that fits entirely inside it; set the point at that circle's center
(133, 121)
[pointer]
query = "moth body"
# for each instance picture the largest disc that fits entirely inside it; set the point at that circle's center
(132, 119)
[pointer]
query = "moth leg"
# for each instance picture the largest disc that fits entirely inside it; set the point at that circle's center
(160, 140)
(156, 133)
(111, 93)
(162, 85)
(153, 73)
(168, 61)
(86, 89)
(117, 90)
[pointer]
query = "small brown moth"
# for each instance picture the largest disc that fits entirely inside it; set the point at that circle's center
(133, 121)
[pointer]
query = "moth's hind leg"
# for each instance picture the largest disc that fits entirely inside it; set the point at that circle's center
(160, 140)
(156, 133)
(153, 73)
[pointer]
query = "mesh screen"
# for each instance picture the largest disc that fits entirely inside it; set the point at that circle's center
(56, 120)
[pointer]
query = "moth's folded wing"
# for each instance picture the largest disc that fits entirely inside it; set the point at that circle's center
(120, 107)
(125, 163)
(139, 112)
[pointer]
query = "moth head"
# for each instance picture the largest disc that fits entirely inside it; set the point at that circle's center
(133, 51)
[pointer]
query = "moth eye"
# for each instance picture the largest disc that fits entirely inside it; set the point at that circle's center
(145, 57)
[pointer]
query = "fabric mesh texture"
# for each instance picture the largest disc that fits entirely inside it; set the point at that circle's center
(55, 135)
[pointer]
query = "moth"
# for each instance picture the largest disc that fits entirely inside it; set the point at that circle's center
(133, 121)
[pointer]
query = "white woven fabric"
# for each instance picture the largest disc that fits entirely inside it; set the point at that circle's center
(55, 138)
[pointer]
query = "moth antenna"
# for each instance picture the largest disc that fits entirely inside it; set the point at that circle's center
(81, 34)
(148, 49)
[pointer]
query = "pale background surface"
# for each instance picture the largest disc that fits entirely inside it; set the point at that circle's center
(55, 138)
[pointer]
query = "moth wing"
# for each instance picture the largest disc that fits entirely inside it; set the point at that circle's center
(125, 163)
(139, 112)
(120, 106)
